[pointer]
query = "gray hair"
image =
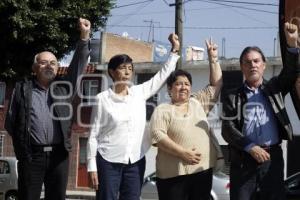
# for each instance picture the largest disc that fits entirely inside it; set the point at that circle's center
(36, 57)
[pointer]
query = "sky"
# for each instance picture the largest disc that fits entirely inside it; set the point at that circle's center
(233, 24)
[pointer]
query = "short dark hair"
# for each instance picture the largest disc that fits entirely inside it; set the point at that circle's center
(173, 77)
(118, 60)
(252, 48)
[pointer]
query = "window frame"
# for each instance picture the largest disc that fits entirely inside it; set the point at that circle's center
(2, 90)
(91, 98)
(4, 167)
(2, 136)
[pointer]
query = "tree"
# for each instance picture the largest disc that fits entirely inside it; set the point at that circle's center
(30, 26)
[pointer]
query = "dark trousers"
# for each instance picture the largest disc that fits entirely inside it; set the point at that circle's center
(50, 168)
(119, 181)
(252, 181)
(187, 187)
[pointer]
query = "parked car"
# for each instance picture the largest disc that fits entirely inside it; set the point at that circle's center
(292, 187)
(220, 187)
(8, 178)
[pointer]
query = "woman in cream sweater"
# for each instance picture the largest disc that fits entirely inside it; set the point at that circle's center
(187, 151)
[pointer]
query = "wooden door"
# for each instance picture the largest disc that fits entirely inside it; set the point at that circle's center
(82, 180)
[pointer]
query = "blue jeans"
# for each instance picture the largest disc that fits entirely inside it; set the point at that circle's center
(118, 180)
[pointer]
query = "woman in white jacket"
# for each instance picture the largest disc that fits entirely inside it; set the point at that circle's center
(117, 144)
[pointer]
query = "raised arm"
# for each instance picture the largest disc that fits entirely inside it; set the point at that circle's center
(82, 52)
(215, 78)
(291, 34)
(287, 77)
(209, 95)
(295, 94)
(151, 87)
(174, 40)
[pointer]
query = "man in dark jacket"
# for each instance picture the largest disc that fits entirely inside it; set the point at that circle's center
(255, 121)
(39, 122)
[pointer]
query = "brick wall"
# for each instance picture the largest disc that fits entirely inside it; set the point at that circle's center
(8, 92)
(8, 147)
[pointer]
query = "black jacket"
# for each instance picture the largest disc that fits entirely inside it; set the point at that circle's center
(17, 122)
(275, 90)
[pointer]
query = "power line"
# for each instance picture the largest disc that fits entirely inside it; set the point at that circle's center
(169, 11)
(132, 4)
(242, 2)
(250, 17)
(151, 28)
(136, 11)
(258, 10)
(166, 2)
(230, 5)
(199, 27)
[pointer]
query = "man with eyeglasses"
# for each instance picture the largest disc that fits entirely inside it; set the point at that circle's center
(255, 121)
(39, 121)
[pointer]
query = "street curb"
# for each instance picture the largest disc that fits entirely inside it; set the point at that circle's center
(86, 195)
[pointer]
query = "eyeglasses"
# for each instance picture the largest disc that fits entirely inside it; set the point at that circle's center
(52, 63)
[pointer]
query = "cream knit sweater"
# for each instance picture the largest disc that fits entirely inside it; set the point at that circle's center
(190, 131)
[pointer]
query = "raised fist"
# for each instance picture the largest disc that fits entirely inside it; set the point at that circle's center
(173, 38)
(84, 26)
(291, 34)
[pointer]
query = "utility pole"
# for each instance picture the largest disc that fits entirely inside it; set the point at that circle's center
(151, 28)
(178, 29)
(223, 48)
(274, 47)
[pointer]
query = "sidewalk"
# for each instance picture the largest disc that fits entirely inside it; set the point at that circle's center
(86, 195)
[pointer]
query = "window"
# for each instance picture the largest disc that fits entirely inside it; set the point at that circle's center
(82, 150)
(1, 144)
(90, 89)
(4, 167)
(151, 102)
(2, 94)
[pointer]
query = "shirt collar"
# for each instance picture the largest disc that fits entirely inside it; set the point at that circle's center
(38, 86)
(247, 89)
(116, 97)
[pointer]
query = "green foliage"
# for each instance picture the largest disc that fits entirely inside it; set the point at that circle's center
(30, 26)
